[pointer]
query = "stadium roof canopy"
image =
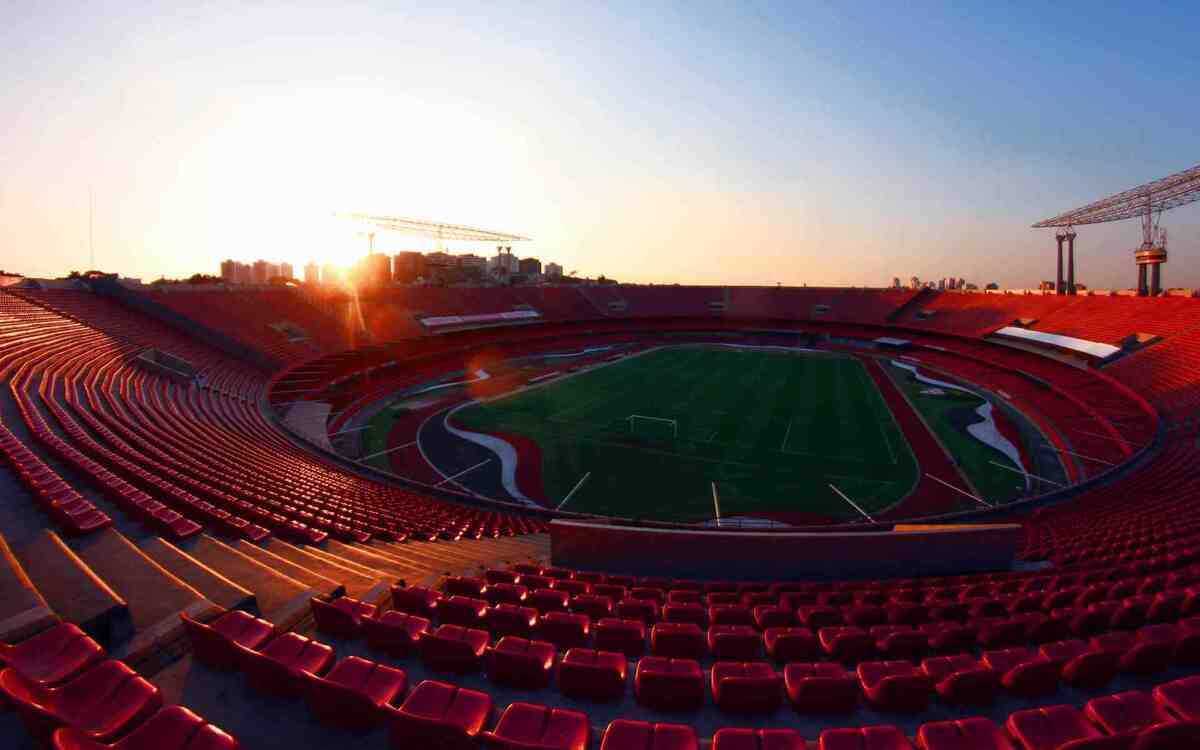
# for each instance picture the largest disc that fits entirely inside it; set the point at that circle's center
(1153, 197)
(434, 229)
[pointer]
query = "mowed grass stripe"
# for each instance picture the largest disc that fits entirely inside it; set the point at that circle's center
(733, 408)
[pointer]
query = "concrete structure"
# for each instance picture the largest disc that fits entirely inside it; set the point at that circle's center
(312, 273)
(554, 271)
(408, 266)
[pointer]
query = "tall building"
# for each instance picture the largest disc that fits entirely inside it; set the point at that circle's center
(330, 274)
(529, 266)
(262, 271)
(895, 282)
(915, 282)
(245, 273)
(408, 266)
(229, 271)
(312, 273)
(377, 269)
(553, 271)
(285, 270)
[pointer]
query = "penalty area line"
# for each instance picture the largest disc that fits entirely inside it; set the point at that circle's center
(389, 450)
(573, 490)
(976, 498)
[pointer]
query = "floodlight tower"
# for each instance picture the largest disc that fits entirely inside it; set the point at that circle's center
(1146, 202)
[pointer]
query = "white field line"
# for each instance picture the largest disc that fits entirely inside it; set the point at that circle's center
(786, 435)
(578, 484)
(1018, 471)
(464, 471)
(976, 498)
(389, 450)
(853, 504)
(716, 504)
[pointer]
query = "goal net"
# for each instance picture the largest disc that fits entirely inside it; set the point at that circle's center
(652, 428)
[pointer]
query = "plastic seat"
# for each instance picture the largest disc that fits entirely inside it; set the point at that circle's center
(453, 648)
(821, 687)
(758, 739)
(745, 687)
(623, 734)
(279, 667)
(1052, 727)
(472, 588)
(172, 728)
(525, 726)
(643, 610)
(1082, 664)
(894, 642)
(464, 611)
(218, 644)
(895, 685)
(684, 613)
(1023, 671)
(815, 617)
(975, 733)
(598, 675)
(342, 617)
(594, 606)
(730, 614)
(564, 630)
(677, 640)
(520, 662)
(52, 656)
(416, 600)
(511, 619)
(791, 644)
(355, 692)
(734, 642)
(961, 679)
(393, 632)
(1126, 712)
(100, 702)
(1181, 697)
(774, 616)
(669, 684)
(879, 737)
(506, 593)
(623, 636)
(849, 645)
(439, 715)
(547, 600)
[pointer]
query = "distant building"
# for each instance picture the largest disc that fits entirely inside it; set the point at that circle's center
(262, 271)
(895, 282)
(942, 284)
(914, 282)
(312, 273)
(377, 269)
(245, 273)
(330, 274)
(529, 266)
(285, 270)
(504, 264)
(407, 266)
(553, 271)
(229, 271)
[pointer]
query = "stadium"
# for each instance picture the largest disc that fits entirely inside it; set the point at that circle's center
(582, 516)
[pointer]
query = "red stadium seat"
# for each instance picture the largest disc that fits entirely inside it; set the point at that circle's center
(565, 630)
(669, 684)
(416, 600)
(598, 675)
(1052, 727)
(52, 656)
(677, 640)
(464, 611)
(511, 619)
(758, 739)
(172, 728)
(964, 734)
(895, 685)
(101, 703)
(218, 644)
(864, 738)
(821, 687)
(961, 679)
(745, 687)
(1126, 712)
(439, 715)
(520, 662)
(791, 644)
(342, 617)
(525, 726)
(623, 636)
(393, 632)
(1181, 697)
(453, 648)
(280, 666)
(624, 734)
(355, 692)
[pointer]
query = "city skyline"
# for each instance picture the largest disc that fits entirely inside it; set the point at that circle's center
(753, 145)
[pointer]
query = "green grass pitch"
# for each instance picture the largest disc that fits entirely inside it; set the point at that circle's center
(773, 429)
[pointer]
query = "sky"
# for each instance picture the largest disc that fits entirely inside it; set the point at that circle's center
(744, 143)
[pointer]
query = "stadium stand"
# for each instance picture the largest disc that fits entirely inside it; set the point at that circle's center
(167, 543)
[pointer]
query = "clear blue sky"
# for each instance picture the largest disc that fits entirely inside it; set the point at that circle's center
(839, 143)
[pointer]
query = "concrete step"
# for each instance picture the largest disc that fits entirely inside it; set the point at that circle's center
(216, 588)
(346, 562)
(372, 560)
(305, 575)
(154, 595)
(422, 557)
(357, 583)
(23, 611)
(74, 591)
(281, 599)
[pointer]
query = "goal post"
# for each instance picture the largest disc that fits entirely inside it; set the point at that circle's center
(653, 427)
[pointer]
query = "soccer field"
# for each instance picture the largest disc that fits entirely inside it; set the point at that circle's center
(773, 429)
